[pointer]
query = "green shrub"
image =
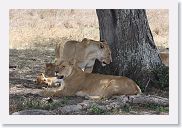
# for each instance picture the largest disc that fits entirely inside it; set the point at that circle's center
(157, 108)
(162, 76)
(96, 109)
(38, 104)
(126, 108)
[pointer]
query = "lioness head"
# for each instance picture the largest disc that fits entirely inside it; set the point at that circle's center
(103, 53)
(64, 69)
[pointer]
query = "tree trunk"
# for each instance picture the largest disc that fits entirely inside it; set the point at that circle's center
(133, 49)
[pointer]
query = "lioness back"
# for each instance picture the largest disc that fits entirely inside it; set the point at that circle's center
(73, 50)
(109, 85)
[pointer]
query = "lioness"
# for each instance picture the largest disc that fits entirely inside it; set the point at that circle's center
(49, 81)
(165, 58)
(80, 83)
(85, 53)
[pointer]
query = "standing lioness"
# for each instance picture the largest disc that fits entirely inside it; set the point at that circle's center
(77, 82)
(85, 53)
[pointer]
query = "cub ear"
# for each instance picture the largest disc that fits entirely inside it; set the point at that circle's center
(41, 74)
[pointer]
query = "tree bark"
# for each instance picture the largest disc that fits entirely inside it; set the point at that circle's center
(128, 34)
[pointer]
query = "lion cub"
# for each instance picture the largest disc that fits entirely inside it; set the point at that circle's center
(49, 81)
(77, 82)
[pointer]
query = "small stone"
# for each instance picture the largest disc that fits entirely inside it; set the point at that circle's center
(33, 112)
(71, 108)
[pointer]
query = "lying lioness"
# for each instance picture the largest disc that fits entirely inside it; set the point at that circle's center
(49, 81)
(77, 82)
(85, 53)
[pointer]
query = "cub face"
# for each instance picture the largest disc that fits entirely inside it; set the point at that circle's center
(41, 79)
(64, 69)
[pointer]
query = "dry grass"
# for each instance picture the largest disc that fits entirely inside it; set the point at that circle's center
(159, 25)
(30, 27)
(41, 26)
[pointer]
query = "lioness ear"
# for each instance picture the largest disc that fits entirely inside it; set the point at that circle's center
(85, 40)
(103, 40)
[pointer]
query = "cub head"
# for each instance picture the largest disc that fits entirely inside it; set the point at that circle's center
(41, 79)
(64, 69)
(50, 69)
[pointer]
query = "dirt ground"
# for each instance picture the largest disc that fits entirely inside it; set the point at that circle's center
(33, 35)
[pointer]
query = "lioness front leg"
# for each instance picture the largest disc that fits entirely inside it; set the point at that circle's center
(50, 92)
(93, 97)
(87, 96)
(89, 66)
(47, 92)
(88, 69)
